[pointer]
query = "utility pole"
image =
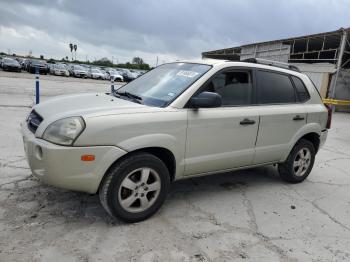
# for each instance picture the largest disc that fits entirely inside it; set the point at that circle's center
(339, 63)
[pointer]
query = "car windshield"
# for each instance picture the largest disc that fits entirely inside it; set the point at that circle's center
(38, 62)
(77, 67)
(160, 86)
(61, 67)
(10, 61)
(95, 71)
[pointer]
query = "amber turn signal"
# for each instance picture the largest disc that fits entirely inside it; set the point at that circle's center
(87, 158)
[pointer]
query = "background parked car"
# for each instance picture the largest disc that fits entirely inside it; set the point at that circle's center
(9, 64)
(36, 63)
(59, 70)
(20, 61)
(50, 67)
(78, 71)
(105, 74)
(95, 73)
(115, 75)
(127, 75)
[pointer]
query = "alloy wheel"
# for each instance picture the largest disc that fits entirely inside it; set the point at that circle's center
(139, 190)
(302, 161)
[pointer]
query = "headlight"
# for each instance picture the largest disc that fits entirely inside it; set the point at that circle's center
(64, 131)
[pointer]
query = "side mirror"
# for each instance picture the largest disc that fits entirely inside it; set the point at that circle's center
(206, 100)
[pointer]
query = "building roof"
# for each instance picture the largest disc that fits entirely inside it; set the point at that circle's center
(318, 35)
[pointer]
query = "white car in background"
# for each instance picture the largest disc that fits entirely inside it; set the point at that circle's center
(95, 73)
(115, 75)
(79, 71)
(105, 74)
(59, 70)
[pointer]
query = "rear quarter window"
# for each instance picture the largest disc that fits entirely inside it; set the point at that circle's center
(303, 94)
(274, 88)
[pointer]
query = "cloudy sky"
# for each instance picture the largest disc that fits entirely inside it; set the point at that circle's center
(169, 29)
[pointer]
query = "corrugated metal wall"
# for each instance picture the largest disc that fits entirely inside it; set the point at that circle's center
(273, 51)
(342, 90)
(317, 78)
(319, 73)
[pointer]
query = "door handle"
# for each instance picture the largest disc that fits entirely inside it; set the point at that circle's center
(298, 118)
(247, 121)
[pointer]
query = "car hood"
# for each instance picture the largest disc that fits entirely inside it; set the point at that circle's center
(11, 64)
(86, 105)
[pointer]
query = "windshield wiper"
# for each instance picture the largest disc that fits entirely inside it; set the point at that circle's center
(134, 97)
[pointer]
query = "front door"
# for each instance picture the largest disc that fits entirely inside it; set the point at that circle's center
(223, 138)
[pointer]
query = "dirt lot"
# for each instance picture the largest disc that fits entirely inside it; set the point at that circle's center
(246, 215)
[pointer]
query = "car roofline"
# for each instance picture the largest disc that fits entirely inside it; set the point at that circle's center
(222, 63)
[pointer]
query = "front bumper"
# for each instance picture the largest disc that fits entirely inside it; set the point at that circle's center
(60, 73)
(61, 166)
(80, 75)
(11, 68)
(42, 70)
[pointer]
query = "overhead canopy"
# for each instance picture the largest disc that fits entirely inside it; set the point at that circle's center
(316, 48)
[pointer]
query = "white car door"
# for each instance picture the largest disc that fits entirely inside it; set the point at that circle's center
(223, 138)
(281, 115)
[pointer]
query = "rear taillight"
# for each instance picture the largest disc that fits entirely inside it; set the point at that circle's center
(329, 118)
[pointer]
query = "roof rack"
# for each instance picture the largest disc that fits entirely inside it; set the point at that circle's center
(271, 63)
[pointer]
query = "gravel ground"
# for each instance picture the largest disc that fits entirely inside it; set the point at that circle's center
(246, 215)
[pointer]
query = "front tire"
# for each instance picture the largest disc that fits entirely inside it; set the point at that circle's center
(299, 163)
(135, 188)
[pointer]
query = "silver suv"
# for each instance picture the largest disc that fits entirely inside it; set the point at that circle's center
(179, 120)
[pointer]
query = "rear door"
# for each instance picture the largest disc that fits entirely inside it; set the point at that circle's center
(281, 115)
(224, 137)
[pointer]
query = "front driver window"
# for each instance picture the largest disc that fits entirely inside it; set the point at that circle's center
(235, 87)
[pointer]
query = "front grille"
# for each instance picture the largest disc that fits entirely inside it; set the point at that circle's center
(33, 121)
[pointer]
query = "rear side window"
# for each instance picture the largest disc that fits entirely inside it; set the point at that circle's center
(274, 88)
(302, 92)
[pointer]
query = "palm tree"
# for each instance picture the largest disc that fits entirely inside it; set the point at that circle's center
(71, 49)
(75, 49)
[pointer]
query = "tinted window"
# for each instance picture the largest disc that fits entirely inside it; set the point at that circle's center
(274, 88)
(303, 94)
(235, 88)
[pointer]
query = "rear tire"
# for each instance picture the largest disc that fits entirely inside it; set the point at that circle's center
(135, 188)
(299, 163)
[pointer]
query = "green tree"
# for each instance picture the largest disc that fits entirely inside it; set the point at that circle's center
(137, 60)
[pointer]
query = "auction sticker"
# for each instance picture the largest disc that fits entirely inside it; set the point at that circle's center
(187, 73)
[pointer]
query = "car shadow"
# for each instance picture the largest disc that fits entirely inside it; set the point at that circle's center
(57, 206)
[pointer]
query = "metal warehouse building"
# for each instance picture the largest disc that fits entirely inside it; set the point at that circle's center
(324, 57)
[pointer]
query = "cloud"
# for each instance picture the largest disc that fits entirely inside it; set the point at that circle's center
(172, 29)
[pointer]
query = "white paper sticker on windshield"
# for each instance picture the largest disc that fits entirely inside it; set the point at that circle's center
(187, 73)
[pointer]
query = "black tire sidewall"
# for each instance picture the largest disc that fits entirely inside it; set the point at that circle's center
(121, 171)
(288, 172)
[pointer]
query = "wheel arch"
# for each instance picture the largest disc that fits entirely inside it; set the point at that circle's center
(162, 153)
(314, 138)
(309, 132)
